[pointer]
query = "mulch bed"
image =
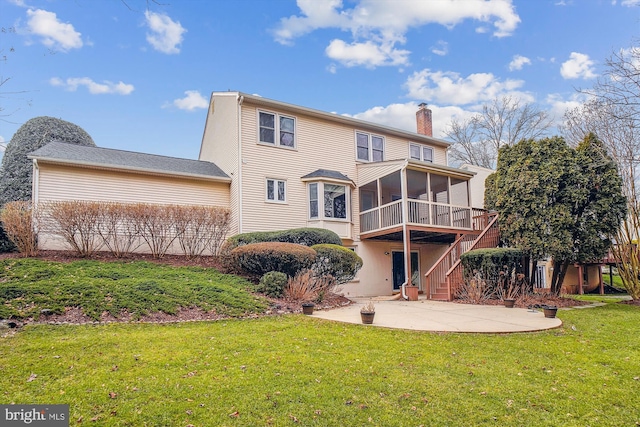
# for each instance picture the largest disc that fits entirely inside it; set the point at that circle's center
(277, 306)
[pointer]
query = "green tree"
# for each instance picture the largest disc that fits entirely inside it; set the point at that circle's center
(559, 202)
(16, 172)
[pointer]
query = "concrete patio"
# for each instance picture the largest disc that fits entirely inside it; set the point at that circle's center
(437, 316)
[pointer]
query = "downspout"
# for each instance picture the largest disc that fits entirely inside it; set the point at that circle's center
(35, 195)
(405, 240)
(34, 185)
(240, 101)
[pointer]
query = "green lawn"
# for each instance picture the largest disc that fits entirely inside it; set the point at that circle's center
(297, 370)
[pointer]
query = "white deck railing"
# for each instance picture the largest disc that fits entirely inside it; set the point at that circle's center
(421, 213)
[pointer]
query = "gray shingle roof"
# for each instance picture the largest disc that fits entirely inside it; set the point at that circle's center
(326, 173)
(60, 152)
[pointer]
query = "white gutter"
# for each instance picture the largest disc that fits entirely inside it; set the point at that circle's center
(240, 99)
(405, 216)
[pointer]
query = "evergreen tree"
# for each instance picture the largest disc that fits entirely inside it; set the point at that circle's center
(556, 201)
(16, 172)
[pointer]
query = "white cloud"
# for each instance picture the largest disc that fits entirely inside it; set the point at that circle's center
(447, 87)
(403, 116)
(630, 3)
(193, 100)
(366, 54)
(559, 105)
(106, 87)
(377, 26)
(166, 34)
(518, 62)
(441, 48)
(54, 34)
(578, 66)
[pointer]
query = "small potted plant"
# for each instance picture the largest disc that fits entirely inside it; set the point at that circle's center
(550, 311)
(510, 295)
(367, 313)
(307, 308)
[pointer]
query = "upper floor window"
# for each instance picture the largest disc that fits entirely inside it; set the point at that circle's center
(369, 148)
(421, 152)
(276, 129)
(327, 200)
(276, 190)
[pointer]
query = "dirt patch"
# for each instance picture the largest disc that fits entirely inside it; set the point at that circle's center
(632, 302)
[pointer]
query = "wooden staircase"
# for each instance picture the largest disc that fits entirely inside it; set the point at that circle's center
(445, 276)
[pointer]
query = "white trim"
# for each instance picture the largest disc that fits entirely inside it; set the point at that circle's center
(276, 182)
(422, 148)
(370, 137)
(276, 130)
(321, 216)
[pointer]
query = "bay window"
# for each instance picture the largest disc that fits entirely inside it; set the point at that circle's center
(328, 201)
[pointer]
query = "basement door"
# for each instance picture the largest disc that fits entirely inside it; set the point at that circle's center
(398, 267)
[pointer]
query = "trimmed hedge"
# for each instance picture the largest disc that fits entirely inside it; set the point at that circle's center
(490, 262)
(335, 260)
(261, 258)
(301, 236)
(272, 284)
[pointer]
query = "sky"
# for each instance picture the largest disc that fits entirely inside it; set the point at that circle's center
(137, 74)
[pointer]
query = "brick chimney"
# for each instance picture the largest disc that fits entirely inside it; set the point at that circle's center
(423, 120)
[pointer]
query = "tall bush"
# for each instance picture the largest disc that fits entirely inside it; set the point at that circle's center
(340, 262)
(118, 229)
(77, 222)
(18, 221)
(261, 258)
(17, 169)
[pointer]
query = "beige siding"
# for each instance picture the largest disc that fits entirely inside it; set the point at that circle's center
(319, 145)
(368, 172)
(397, 148)
(375, 277)
(220, 145)
(58, 182)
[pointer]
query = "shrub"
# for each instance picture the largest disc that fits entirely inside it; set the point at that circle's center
(6, 245)
(301, 236)
(340, 262)
(200, 227)
(18, 222)
(76, 222)
(272, 284)
(492, 271)
(307, 286)
(300, 287)
(261, 258)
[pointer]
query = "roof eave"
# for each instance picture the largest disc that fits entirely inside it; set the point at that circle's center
(86, 164)
(260, 101)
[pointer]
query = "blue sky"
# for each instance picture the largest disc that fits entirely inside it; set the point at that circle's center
(137, 74)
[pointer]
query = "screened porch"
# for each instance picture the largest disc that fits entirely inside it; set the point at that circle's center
(437, 199)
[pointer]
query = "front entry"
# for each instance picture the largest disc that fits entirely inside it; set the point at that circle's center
(398, 268)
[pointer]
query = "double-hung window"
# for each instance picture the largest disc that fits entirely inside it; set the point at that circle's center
(276, 129)
(421, 152)
(369, 148)
(328, 201)
(276, 190)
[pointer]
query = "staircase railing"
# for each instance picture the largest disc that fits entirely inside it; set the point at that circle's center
(489, 238)
(439, 273)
